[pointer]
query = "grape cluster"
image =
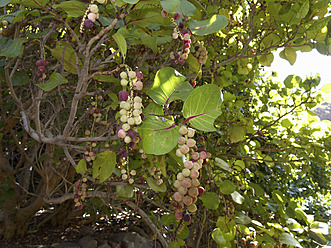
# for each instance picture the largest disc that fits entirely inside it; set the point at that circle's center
(130, 108)
(156, 173)
(201, 53)
(91, 15)
(95, 111)
(90, 154)
(187, 182)
(126, 175)
(80, 187)
(185, 36)
(41, 64)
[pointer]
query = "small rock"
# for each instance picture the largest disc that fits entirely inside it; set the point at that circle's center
(88, 242)
(68, 245)
(132, 240)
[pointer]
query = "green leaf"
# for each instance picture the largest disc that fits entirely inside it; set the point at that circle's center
(287, 239)
(326, 88)
(203, 106)
(242, 219)
(320, 227)
(121, 43)
(292, 81)
(73, 8)
(238, 198)
(237, 133)
(125, 191)
(31, 3)
(193, 63)
(15, 49)
(218, 236)
(227, 187)
(289, 54)
(20, 78)
(170, 5)
(4, 2)
(222, 164)
(131, 1)
(168, 219)
(184, 233)
(286, 123)
(81, 166)
(209, 26)
(266, 59)
(158, 137)
(69, 57)
(166, 86)
(186, 8)
(210, 200)
(301, 215)
(104, 165)
(153, 109)
(5, 184)
(158, 188)
(53, 82)
(303, 11)
(257, 189)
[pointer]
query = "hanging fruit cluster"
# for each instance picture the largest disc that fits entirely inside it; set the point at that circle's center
(187, 183)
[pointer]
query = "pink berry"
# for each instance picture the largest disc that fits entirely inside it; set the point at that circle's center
(195, 183)
(186, 183)
(194, 173)
(187, 200)
(91, 111)
(180, 176)
(138, 85)
(182, 190)
(188, 164)
(182, 61)
(193, 83)
(203, 155)
(184, 149)
(193, 192)
(123, 95)
(181, 140)
(164, 13)
(195, 155)
(139, 74)
(177, 16)
(121, 134)
(178, 215)
(190, 142)
(39, 63)
(201, 190)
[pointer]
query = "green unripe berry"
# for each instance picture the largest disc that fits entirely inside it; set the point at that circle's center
(123, 75)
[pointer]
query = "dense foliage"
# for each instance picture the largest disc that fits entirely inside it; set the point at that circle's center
(163, 107)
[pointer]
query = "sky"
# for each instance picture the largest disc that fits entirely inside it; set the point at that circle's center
(306, 64)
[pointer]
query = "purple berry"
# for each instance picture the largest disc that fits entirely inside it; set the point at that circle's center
(185, 31)
(39, 63)
(88, 23)
(201, 190)
(123, 153)
(142, 116)
(186, 217)
(176, 56)
(177, 16)
(39, 74)
(132, 134)
(96, 111)
(182, 61)
(123, 95)
(132, 145)
(181, 24)
(45, 63)
(41, 68)
(196, 48)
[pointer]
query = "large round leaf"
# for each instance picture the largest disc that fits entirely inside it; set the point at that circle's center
(158, 136)
(209, 26)
(203, 106)
(169, 85)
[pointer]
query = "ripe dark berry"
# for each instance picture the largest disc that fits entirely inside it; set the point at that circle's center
(123, 95)
(88, 23)
(41, 68)
(187, 45)
(186, 217)
(39, 74)
(181, 25)
(132, 145)
(142, 116)
(123, 153)
(201, 190)
(176, 56)
(185, 31)
(201, 139)
(177, 16)
(45, 63)
(132, 134)
(139, 74)
(193, 83)
(39, 63)
(182, 61)
(96, 111)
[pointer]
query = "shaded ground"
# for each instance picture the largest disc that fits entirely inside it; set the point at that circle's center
(48, 235)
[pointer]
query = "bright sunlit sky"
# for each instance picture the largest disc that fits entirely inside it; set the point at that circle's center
(306, 64)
